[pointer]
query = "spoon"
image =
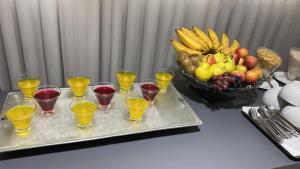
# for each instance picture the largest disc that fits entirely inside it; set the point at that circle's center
(257, 118)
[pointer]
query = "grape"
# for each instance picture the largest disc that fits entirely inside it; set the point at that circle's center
(223, 82)
(226, 83)
(215, 78)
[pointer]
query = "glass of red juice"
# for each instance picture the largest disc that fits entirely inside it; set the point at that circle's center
(104, 91)
(149, 88)
(46, 96)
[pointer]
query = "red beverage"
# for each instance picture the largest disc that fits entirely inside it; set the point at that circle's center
(47, 98)
(104, 95)
(149, 89)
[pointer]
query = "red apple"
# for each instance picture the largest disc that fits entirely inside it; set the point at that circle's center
(252, 77)
(250, 62)
(239, 73)
(211, 60)
(258, 70)
(243, 52)
(236, 57)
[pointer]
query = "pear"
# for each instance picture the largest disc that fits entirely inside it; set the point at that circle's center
(230, 65)
(204, 65)
(203, 72)
(218, 69)
(220, 57)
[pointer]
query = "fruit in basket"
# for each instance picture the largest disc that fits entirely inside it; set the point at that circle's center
(207, 56)
(243, 52)
(188, 41)
(214, 38)
(219, 57)
(218, 69)
(230, 65)
(222, 82)
(193, 36)
(179, 47)
(211, 60)
(196, 41)
(203, 72)
(241, 68)
(224, 41)
(190, 69)
(203, 37)
(182, 55)
(251, 76)
(241, 61)
(186, 62)
(250, 62)
(236, 57)
(259, 71)
(239, 74)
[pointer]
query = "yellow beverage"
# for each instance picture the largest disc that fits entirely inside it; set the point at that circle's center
(163, 80)
(136, 108)
(28, 86)
(78, 85)
(20, 116)
(84, 112)
(125, 80)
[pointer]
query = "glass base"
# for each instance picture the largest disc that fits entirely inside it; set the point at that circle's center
(124, 90)
(135, 119)
(28, 98)
(23, 132)
(163, 91)
(84, 126)
(79, 97)
(104, 107)
(48, 113)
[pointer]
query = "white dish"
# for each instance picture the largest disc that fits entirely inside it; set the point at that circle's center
(282, 77)
(292, 114)
(291, 93)
(271, 97)
(266, 85)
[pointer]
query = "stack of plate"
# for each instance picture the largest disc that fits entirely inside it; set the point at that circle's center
(286, 99)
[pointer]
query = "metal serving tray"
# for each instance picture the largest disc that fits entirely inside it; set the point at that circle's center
(169, 111)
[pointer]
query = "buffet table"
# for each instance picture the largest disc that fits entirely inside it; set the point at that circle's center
(225, 140)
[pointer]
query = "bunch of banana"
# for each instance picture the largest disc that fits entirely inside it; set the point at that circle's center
(197, 42)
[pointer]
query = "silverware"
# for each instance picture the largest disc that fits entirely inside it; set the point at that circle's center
(282, 132)
(256, 117)
(275, 113)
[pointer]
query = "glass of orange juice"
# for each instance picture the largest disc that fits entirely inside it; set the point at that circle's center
(28, 84)
(84, 110)
(163, 79)
(20, 113)
(78, 84)
(125, 80)
(137, 105)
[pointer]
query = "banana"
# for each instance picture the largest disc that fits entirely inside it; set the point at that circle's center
(235, 44)
(188, 41)
(179, 47)
(214, 38)
(224, 42)
(194, 37)
(203, 36)
(229, 51)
